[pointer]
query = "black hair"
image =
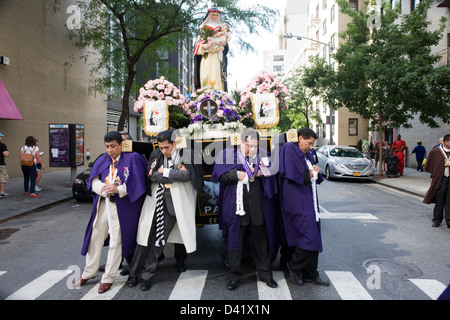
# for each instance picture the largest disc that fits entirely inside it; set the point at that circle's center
(166, 136)
(113, 135)
(307, 133)
(447, 137)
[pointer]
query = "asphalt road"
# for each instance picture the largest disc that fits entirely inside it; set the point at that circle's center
(378, 244)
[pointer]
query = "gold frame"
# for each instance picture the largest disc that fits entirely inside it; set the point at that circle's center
(266, 126)
(167, 121)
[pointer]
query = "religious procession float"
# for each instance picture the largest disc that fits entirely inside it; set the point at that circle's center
(216, 118)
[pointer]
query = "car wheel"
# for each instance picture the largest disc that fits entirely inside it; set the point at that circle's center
(327, 173)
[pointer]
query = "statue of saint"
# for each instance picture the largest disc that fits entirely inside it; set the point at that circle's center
(211, 49)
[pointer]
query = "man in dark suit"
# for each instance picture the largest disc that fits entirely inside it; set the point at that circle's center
(168, 213)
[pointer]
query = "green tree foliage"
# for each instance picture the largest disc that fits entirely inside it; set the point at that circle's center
(124, 33)
(386, 69)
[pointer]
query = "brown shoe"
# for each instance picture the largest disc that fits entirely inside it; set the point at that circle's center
(80, 282)
(104, 287)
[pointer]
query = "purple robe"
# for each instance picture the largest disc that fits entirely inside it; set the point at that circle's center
(296, 199)
(132, 168)
(229, 221)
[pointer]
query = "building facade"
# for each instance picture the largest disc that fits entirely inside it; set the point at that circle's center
(320, 38)
(45, 88)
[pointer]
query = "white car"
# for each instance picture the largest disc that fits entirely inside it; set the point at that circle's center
(344, 162)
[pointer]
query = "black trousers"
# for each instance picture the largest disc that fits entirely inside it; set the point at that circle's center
(146, 259)
(259, 250)
(442, 202)
(304, 263)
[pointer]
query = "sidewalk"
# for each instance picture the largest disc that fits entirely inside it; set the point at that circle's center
(57, 187)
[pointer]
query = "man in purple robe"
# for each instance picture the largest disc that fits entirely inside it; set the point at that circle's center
(246, 189)
(298, 176)
(118, 183)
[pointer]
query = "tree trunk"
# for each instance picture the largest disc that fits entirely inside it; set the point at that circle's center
(380, 145)
(126, 99)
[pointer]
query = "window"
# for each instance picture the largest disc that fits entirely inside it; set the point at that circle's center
(413, 4)
(332, 14)
(352, 127)
(354, 4)
(278, 58)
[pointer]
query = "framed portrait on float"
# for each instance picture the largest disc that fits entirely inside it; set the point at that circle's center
(265, 110)
(156, 117)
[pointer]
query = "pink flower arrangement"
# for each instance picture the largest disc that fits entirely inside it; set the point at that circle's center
(264, 82)
(159, 89)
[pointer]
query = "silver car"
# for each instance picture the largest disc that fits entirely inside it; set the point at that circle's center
(344, 162)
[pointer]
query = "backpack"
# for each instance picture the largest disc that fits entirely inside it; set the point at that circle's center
(27, 159)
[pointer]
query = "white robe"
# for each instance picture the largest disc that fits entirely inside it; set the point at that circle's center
(184, 198)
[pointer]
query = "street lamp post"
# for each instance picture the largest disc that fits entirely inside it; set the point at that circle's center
(291, 36)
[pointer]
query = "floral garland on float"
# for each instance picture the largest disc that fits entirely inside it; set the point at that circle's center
(156, 98)
(210, 109)
(262, 99)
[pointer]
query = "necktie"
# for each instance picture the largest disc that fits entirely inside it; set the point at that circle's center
(112, 172)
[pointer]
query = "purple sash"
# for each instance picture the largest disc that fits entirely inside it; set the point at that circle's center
(246, 166)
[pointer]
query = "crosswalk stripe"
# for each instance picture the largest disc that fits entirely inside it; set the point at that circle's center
(190, 285)
(38, 286)
(280, 293)
(325, 214)
(2, 272)
(432, 288)
(348, 286)
(118, 283)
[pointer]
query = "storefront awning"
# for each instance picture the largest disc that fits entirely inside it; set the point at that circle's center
(8, 109)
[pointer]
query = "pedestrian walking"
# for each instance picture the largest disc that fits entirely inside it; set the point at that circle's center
(421, 154)
(29, 155)
(39, 168)
(298, 179)
(3, 169)
(438, 164)
(246, 206)
(399, 146)
(117, 180)
(168, 213)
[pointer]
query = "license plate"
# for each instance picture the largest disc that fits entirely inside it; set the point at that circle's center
(356, 174)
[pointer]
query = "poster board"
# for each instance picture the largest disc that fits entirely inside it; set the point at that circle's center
(265, 110)
(66, 145)
(156, 117)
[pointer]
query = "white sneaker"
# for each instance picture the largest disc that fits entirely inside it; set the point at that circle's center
(37, 189)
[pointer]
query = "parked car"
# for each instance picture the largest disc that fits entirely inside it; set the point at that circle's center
(79, 186)
(344, 162)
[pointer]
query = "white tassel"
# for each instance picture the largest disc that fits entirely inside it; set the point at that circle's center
(240, 196)
(314, 189)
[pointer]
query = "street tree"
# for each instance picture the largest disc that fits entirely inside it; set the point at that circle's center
(387, 71)
(123, 33)
(305, 84)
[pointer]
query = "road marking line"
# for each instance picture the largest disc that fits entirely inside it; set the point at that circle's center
(38, 286)
(3, 272)
(280, 293)
(118, 283)
(325, 214)
(432, 288)
(348, 286)
(190, 285)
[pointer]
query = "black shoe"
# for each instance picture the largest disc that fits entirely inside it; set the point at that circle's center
(317, 281)
(295, 276)
(270, 283)
(132, 282)
(435, 224)
(145, 285)
(125, 271)
(232, 284)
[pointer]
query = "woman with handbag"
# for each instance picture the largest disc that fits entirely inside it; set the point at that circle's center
(28, 155)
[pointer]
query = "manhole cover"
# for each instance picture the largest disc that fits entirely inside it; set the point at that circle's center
(393, 268)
